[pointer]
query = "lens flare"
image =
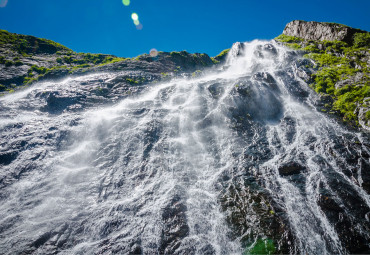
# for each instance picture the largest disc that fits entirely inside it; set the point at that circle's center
(3, 3)
(126, 2)
(134, 16)
(153, 52)
(139, 27)
(136, 22)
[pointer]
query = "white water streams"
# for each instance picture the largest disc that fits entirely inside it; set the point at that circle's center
(142, 176)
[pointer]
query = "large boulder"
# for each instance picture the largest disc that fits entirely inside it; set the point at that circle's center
(320, 31)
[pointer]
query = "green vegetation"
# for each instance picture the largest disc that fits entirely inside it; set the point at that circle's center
(262, 246)
(8, 63)
(132, 81)
(288, 39)
(361, 40)
(337, 61)
(220, 57)
(24, 44)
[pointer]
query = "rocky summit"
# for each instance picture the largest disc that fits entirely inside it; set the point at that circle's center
(320, 31)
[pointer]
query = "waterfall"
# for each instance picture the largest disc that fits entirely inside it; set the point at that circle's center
(236, 160)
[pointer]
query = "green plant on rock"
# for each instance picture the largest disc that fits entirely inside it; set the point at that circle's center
(2, 87)
(361, 40)
(288, 39)
(8, 63)
(262, 246)
(337, 61)
(132, 81)
(348, 99)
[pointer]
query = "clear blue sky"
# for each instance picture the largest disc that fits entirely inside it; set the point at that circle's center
(204, 26)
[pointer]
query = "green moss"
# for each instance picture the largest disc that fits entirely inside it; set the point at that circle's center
(8, 63)
(336, 61)
(18, 63)
(367, 116)
(222, 54)
(132, 81)
(288, 39)
(2, 87)
(361, 40)
(39, 70)
(295, 46)
(262, 246)
(348, 99)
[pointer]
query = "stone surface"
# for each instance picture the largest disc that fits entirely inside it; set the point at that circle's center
(320, 31)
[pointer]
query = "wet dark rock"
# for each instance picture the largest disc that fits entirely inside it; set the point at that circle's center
(251, 213)
(216, 89)
(175, 226)
(57, 103)
(269, 48)
(304, 68)
(265, 77)
(7, 157)
(290, 168)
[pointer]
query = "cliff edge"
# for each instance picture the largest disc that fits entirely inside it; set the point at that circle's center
(321, 31)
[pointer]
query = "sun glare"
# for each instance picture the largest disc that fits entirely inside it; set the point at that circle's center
(134, 16)
(126, 2)
(3, 3)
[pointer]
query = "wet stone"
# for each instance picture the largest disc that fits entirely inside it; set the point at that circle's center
(290, 168)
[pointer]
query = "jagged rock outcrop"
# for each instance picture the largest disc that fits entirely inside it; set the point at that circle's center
(320, 31)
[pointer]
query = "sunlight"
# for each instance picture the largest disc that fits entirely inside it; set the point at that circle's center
(153, 52)
(126, 2)
(134, 16)
(3, 3)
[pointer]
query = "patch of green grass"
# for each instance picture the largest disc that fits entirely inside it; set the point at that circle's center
(288, 39)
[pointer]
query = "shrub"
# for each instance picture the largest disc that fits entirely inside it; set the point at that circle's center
(8, 63)
(361, 40)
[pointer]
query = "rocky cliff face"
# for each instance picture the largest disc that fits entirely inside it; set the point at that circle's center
(320, 31)
(339, 69)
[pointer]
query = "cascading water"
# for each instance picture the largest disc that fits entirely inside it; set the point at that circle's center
(235, 161)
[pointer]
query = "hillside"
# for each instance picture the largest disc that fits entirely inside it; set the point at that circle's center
(339, 66)
(25, 59)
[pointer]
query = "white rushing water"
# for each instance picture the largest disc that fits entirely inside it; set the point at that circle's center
(145, 175)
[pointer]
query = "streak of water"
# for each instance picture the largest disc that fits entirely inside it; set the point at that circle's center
(210, 165)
